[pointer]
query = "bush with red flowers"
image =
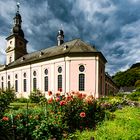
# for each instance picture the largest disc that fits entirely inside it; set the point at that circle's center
(54, 117)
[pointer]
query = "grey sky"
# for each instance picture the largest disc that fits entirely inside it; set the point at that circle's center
(113, 26)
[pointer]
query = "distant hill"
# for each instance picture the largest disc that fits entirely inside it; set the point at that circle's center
(128, 78)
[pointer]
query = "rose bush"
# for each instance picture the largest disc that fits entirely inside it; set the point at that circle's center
(54, 117)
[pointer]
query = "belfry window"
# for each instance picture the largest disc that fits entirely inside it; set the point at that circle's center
(46, 80)
(81, 78)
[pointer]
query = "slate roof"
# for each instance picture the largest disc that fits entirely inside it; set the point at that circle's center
(72, 48)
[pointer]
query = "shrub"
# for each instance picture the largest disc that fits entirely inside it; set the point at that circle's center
(21, 100)
(56, 117)
(6, 97)
(135, 96)
(35, 96)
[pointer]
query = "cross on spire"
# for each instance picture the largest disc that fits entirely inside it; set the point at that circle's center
(18, 6)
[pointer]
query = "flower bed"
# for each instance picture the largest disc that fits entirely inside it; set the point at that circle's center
(56, 117)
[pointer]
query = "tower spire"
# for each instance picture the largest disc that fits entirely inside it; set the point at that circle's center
(60, 36)
(18, 6)
(17, 30)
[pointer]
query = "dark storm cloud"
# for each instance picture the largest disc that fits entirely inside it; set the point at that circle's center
(112, 25)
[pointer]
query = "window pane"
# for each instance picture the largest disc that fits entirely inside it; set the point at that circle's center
(81, 82)
(46, 83)
(34, 84)
(16, 85)
(81, 68)
(46, 71)
(24, 85)
(2, 86)
(59, 82)
(8, 85)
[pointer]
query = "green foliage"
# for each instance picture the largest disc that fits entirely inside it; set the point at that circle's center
(55, 117)
(135, 96)
(6, 97)
(35, 96)
(122, 127)
(137, 84)
(21, 100)
(127, 78)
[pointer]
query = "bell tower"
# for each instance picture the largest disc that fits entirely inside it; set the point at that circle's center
(16, 43)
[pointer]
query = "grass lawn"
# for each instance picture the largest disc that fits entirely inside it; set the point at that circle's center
(16, 105)
(124, 126)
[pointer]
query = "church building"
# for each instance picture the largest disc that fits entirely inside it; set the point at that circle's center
(68, 66)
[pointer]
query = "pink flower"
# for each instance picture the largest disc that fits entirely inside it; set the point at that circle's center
(5, 118)
(57, 99)
(50, 100)
(82, 114)
(62, 102)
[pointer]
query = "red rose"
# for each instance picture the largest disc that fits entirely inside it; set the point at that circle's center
(82, 114)
(57, 99)
(5, 118)
(50, 100)
(62, 102)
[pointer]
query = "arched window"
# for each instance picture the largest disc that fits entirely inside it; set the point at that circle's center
(24, 82)
(2, 83)
(34, 81)
(59, 78)
(16, 83)
(81, 82)
(60, 82)
(46, 80)
(81, 78)
(9, 84)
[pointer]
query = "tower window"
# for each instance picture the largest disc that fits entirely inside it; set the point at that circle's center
(81, 82)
